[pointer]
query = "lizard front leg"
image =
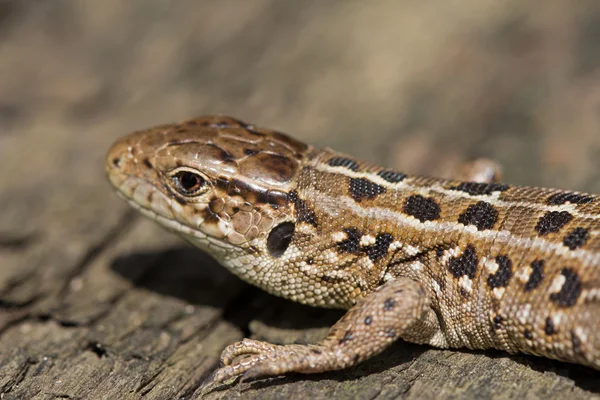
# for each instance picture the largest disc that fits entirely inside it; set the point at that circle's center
(366, 329)
(479, 170)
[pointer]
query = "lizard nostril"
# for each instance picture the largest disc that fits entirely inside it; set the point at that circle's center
(116, 161)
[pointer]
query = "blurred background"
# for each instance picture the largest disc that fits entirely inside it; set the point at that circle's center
(402, 81)
(416, 85)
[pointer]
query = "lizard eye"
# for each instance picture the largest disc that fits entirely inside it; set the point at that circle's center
(189, 183)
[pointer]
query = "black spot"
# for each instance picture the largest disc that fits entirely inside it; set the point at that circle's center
(480, 188)
(528, 335)
(497, 322)
(569, 197)
(304, 213)
(116, 161)
(549, 328)
(389, 332)
(315, 351)
(570, 291)
(422, 208)
(280, 238)
(502, 276)
(466, 264)
(368, 320)
(576, 238)
(389, 304)
(348, 336)
(352, 242)
(147, 163)
(343, 162)
(250, 152)
(552, 221)
(481, 214)
(537, 275)
(463, 292)
(379, 250)
(222, 183)
(362, 188)
(576, 343)
(439, 252)
(391, 176)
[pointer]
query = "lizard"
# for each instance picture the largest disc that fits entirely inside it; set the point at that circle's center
(443, 262)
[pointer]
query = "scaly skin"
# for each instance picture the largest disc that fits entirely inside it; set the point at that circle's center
(442, 262)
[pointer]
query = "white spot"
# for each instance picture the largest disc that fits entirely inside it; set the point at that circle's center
(466, 283)
(330, 257)
(411, 250)
(523, 313)
(366, 263)
(581, 334)
(436, 287)
(498, 292)
(523, 274)
(338, 236)
(367, 240)
(395, 245)
(557, 283)
(591, 295)
(492, 266)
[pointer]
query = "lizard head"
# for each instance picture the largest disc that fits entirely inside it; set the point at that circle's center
(220, 183)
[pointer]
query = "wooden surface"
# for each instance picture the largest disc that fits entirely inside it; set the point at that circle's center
(98, 303)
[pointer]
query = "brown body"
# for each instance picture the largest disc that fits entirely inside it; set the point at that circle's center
(448, 263)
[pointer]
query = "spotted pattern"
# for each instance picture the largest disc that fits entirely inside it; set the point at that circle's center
(569, 197)
(502, 276)
(479, 188)
(390, 332)
(266, 177)
(570, 291)
(576, 343)
(552, 222)
(389, 304)
(348, 336)
(422, 208)
(497, 322)
(391, 176)
(343, 162)
(304, 213)
(352, 242)
(549, 328)
(466, 264)
(380, 249)
(481, 214)
(362, 188)
(375, 252)
(537, 275)
(576, 238)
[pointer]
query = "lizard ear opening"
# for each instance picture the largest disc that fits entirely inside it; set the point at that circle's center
(280, 238)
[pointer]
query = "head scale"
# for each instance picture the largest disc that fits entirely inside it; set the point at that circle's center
(220, 183)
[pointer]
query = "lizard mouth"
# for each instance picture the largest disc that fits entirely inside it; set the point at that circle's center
(144, 197)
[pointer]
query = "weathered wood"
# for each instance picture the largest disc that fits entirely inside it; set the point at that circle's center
(99, 303)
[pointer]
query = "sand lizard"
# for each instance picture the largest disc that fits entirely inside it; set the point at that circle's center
(447, 263)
